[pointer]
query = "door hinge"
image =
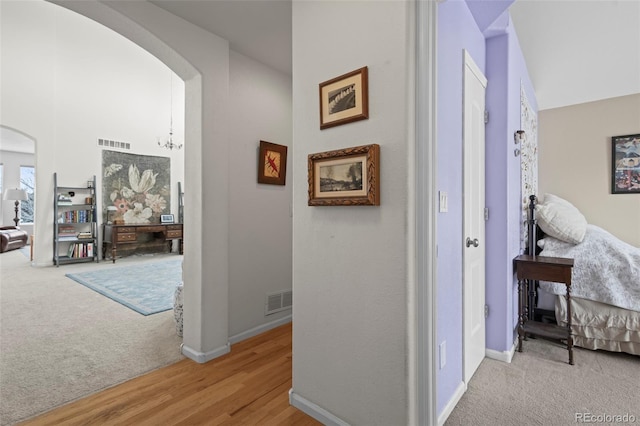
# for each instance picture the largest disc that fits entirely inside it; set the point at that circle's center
(486, 116)
(486, 213)
(486, 311)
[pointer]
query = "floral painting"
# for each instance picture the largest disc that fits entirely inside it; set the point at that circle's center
(138, 186)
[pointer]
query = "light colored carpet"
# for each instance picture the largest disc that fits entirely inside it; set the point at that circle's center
(539, 387)
(60, 341)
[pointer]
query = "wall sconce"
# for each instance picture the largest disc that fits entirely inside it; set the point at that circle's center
(518, 137)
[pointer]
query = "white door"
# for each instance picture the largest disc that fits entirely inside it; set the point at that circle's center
(473, 244)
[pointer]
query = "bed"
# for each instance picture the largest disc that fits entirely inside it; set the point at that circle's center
(605, 297)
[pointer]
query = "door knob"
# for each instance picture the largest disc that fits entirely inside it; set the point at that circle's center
(473, 242)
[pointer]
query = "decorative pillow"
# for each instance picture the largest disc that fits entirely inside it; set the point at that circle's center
(554, 199)
(560, 219)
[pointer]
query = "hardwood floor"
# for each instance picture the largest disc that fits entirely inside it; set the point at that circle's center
(248, 386)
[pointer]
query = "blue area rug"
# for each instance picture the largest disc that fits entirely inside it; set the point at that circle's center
(146, 288)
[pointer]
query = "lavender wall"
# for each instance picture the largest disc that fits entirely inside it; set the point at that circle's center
(457, 30)
(501, 59)
(505, 63)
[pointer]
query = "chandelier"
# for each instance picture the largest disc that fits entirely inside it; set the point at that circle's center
(168, 143)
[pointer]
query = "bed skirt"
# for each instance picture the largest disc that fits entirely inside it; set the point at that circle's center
(597, 325)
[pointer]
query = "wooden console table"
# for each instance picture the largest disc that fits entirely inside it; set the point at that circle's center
(532, 268)
(128, 234)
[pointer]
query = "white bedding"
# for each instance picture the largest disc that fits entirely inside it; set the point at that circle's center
(605, 268)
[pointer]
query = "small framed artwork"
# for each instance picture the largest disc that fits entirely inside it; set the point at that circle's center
(166, 218)
(344, 99)
(345, 177)
(272, 163)
(625, 166)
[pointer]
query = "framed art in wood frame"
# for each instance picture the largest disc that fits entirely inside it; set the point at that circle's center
(345, 177)
(344, 99)
(625, 164)
(272, 163)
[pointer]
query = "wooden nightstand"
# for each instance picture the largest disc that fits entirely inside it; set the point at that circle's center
(533, 268)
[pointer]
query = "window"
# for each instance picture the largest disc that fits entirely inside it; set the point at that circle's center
(28, 183)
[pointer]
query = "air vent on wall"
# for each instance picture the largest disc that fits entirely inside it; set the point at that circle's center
(279, 301)
(106, 143)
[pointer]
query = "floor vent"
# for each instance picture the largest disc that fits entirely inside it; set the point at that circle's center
(279, 301)
(114, 144)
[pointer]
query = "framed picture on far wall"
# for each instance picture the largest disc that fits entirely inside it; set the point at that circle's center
(272, 163)
(625, 167)
(166, 218)
(345, 177)
(344, 99)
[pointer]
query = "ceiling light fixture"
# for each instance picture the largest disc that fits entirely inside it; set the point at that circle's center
(168, 142)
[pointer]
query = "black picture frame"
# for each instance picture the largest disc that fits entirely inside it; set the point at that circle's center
(625, 164)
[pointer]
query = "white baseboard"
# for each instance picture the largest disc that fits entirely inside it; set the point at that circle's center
(202, 357)
(505, 356)
(448, 409)
(259, 329)
(315, 411)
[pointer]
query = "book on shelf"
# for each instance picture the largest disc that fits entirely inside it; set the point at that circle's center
(66, 233)
(79, 250)
(84, 235)
(64, 200)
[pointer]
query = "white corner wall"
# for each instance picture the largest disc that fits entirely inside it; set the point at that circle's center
(260, 223)
(350, 273)
(575, 161)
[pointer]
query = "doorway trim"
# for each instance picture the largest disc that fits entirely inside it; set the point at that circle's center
(425, 165)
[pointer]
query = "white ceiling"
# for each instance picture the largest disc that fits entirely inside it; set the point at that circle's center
(576, 50)
(259, 29)
(579, 50)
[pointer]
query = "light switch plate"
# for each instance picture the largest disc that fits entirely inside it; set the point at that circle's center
(444, 202)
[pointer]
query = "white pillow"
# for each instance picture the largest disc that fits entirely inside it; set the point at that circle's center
(550, 199)
(558, 218)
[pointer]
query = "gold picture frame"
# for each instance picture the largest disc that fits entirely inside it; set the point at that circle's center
(345, 177)
(272, 163)
(344, 99)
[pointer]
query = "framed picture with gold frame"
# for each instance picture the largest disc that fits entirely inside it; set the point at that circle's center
(272, 163)
(345, 177)
(344, 99)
